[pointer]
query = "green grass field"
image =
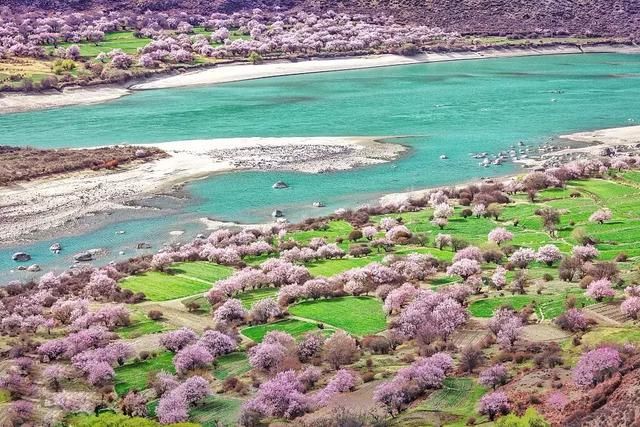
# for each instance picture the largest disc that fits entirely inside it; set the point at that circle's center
(335, 229)
(124, 40)
(356, 315)
(251, 297)
(550, 306)
(453, 404)
(202, 270)
(162, 286)
(216, 411)
(140, 325)
(294, 327)
(331, 267)
(231, 365)
(135, 376)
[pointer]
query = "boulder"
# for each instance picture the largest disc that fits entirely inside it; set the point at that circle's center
(143, 245)
(55, 248)
(34, 268)
(279, 185)
(607, 152)
(83, 257)
(277, 213)
(21, 257)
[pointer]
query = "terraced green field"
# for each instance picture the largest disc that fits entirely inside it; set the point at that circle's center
(549, 306)
(453, 404)
(141, 325)
(124, 40)
(231, 365)
(216, 411)
(356, 315)
(335, 229)
(135, 376)
(202, 270)
(251, 297)
(162, 286)
(294, 327)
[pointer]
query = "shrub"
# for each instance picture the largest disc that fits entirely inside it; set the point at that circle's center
(155, 314)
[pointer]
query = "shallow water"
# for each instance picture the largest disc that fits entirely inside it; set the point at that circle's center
(452, 108)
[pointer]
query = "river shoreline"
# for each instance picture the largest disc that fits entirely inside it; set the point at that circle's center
(17, 103)
(34, 208)
(590, 145)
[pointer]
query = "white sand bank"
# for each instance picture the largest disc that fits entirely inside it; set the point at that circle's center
(239, 72)
(18, 103)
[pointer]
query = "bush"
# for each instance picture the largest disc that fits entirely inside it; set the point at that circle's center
(621, 257)
(155, 314)
(377, 344)
(368, 376)
(355, 235)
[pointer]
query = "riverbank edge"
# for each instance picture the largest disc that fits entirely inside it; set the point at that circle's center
(187, 161)
(591, 143)
(227, 73)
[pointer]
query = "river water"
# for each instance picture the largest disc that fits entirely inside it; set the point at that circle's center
(453, 108)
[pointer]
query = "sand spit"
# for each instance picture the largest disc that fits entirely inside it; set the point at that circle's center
(13, 103)
(19, 103)
(41, 205)
(621, 140)
(239, 72)
(628, 135)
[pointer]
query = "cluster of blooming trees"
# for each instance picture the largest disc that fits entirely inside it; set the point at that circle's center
(596, 365)
(174, 39)
(411, 382)
(285, 394)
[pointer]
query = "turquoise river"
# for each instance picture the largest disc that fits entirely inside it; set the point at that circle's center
(452, 108)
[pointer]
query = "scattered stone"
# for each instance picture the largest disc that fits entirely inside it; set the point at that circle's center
(140, 153)
(200, 236)
(121, 253)
(120, 232)
(279, 185)
(143, 245)
(22, 268)
(21, 257)
(318, 205)
(55, 248)
(34, 268)
(176, 233)
(277, 213)
(607, 152)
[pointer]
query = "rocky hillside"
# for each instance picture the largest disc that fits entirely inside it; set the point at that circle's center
(516, 17)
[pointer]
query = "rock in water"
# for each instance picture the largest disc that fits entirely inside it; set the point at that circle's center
(318, 205)
(83, 256)
(143, 245)
(280, 184)
(34, 268)
(277, 214)
(55, 248)
(21, 257)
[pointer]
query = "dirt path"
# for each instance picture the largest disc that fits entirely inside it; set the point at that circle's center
(542, 332)
(177, 315)
(148, 342)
